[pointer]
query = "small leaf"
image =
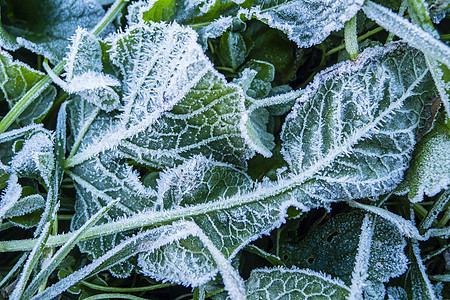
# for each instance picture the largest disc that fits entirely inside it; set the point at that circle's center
(36, 158)
(233, 49)
(84, 74)
(10, 196)
(16, 79)
(430, 169)
(281, 283)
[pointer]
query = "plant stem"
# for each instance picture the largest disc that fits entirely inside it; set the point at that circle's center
(359, 39)
(114, 296)
(351, 38)
(126, 290)
(401, 12)
(28, 98)
(112, 13)
(273, 259)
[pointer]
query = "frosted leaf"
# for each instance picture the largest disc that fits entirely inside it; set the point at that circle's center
(53, 22)
(256, 81)
(200, 181)
(335, 247)
(98, 182)
(281, 283)
(173, 105)
(145, 242)
(84, 75)
(430, 169)
(305, 22)
(26, 205)
(16, 79)
(354, 127)
(36, 157)
(405, 227)
(27, 211)
(10, 195)
(360, 270)
(411, 33)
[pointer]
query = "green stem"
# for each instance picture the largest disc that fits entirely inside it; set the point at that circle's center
(114, 296)
(214, 293)
(359, 39)
(420, 210)
(444, 220)
(401, 12)
(351, 38)
(445, 37)
(28, 98)
(440, 204)
(65, 217)
(273, 259)
(112, 13)
(199, 25)
(126, 290)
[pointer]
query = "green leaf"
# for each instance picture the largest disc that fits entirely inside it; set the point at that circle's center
(348, 119)
(27, 211)
(334, 246)
(87, 80)
(45, 26)
(16, 79)
(430, 169)
(233, 49)
(281, 283)
(171, 100)
(173, 105)
(294, 17)
(283, 54)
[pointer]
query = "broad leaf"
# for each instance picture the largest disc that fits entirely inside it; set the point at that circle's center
(262, 208)
(173, 105)
(45, 26)
(341, 128)
(16, 79)
(281, 283)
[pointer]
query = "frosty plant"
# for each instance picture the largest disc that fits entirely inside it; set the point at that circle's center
(225, 149)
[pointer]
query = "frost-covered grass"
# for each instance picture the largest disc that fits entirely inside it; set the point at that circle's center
(227, 150)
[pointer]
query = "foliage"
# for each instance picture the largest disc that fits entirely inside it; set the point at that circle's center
(224, 149)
